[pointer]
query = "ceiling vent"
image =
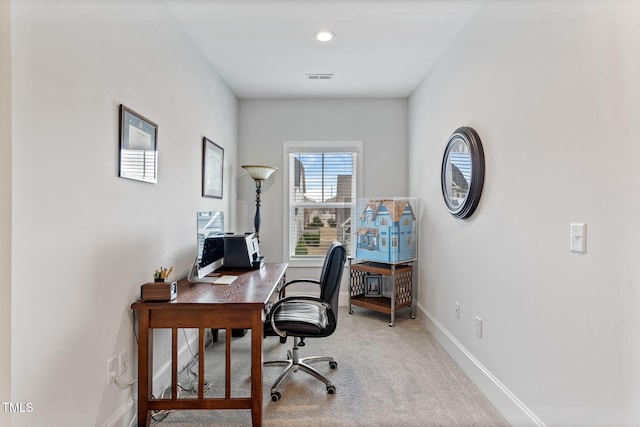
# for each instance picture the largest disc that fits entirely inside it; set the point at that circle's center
(319, 76)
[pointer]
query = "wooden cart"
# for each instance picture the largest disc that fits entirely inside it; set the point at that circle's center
(401, 276)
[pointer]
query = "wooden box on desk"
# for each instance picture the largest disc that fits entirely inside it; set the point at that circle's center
(159, 291)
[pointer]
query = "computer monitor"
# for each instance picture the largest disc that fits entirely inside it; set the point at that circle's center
(212, 255)
(210, 244)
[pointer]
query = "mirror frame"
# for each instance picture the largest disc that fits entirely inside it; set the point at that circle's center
(469, 137)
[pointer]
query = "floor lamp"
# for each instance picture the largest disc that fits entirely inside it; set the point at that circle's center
(259, 174)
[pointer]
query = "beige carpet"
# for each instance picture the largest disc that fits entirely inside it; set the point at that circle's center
(386, 376)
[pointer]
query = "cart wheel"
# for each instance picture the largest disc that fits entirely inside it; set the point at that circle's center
(333, 365)
(275, 396)
(390, 324)
(413, 316)
(331, 389)
(350, 311)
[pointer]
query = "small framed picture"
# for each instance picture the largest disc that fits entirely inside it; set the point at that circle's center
(373, 285)
(212, 169)
(138, 147)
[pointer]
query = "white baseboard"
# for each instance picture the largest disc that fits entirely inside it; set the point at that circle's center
(118, 418)
(162, 376)
(502, 398)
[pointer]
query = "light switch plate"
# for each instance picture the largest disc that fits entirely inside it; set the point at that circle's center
(579, 238)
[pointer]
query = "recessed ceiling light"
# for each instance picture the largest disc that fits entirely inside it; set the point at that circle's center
(324, 36)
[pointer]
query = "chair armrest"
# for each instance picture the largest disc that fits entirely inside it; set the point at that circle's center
(293, 282)
(276, 306)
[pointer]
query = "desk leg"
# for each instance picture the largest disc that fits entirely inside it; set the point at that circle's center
(256, 369)
(145, 345)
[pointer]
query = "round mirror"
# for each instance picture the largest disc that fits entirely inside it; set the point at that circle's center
(462, 173)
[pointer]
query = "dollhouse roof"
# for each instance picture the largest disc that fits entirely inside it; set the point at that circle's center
(395, 207)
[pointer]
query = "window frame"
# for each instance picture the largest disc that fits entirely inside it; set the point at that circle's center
(314, 147)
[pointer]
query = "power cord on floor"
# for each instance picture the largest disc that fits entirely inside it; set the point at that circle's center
(158, 416)
(161, 415)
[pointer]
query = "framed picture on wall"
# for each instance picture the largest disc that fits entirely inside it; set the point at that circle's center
(212, 169)
(138, 147)
(373, 285)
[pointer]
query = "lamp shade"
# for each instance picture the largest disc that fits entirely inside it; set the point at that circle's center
(259, 172)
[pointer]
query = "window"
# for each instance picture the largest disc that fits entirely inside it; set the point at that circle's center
(321, 190)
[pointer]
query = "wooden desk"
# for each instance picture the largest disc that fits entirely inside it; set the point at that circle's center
(240, 305)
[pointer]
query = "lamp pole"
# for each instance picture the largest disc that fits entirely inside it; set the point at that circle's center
(256, 219)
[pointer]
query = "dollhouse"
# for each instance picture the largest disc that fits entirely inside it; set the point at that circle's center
(386, 229)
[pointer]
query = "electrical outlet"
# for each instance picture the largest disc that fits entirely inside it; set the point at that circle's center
(478, 327)
(457, 310)
(112, 369)
(122, 363)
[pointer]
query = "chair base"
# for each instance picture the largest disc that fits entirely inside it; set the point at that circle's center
(294, 363)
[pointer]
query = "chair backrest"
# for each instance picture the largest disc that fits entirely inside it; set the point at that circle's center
(331, 275)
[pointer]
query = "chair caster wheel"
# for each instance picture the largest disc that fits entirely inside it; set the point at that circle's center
(413, 316)
(331, 389)
(276, 396)
(283, 340)
(333, 365)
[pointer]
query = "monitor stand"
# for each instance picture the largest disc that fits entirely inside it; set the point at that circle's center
(192, 277)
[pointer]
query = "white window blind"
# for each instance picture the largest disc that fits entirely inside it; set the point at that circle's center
(322, 193)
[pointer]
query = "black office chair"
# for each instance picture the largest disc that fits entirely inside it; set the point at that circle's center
(308, 317)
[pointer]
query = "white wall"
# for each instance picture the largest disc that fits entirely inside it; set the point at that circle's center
(5, 207)
(84, 240)
(266, 123)
(552, 89)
